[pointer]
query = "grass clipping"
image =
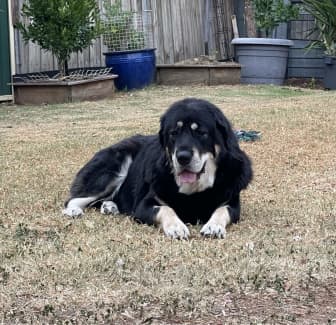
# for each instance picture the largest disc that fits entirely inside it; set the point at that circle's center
(277, 265)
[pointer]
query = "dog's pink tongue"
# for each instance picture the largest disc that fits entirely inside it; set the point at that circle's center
(187, 177)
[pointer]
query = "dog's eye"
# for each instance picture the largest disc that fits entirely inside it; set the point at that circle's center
(202, 133)
(173, 133)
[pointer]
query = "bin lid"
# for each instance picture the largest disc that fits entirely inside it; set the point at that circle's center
(262, 41)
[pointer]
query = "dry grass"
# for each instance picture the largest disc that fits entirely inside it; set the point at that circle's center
(277, 266)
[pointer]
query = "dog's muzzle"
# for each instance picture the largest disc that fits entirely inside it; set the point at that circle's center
(188, 177)
(188, 166)
(184, 157)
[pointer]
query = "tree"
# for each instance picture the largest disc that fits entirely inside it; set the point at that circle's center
(61, 26)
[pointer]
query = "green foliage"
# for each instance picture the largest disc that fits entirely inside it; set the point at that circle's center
(324, 13)
(60, 26)
(269, 14)
(120, 32)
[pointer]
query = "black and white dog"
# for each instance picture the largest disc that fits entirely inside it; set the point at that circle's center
(192, 171)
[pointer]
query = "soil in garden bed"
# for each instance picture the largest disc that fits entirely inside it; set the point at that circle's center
(204, 60)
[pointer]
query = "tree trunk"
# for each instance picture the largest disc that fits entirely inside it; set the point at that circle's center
(63, 67)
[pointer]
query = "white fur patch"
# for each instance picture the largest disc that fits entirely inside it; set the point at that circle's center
(205, 179)
(194, 126)
(216, 225)
(119, 180)
(179, 124)
(109, 207)
(171, 224)
(75, 206)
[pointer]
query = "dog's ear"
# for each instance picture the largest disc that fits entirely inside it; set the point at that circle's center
(236, 161)
(162, 131)
(226, 134)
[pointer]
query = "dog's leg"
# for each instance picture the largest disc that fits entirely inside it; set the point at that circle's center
(101, 178)
(74, 208)
(171, 224)
(224, 215)
(153, 211)
(216, 225)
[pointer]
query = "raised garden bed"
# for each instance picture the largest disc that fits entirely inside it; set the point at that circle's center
(198, 71)
(37, 89)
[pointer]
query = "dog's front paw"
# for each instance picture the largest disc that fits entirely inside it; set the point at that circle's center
(213, 229)
(176, 230)
(216, 225)
(171, 225)
(109, 207)
(73, 212)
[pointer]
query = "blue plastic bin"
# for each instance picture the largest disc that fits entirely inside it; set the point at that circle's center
(135, 68)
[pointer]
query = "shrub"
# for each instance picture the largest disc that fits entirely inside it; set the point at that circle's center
(268, 14)
(60, 26)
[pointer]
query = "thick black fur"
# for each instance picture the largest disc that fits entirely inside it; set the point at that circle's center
(150, 180)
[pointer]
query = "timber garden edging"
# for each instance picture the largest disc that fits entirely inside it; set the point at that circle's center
(207, 74)
(58, 91)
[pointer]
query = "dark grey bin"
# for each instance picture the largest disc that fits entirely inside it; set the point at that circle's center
(263, 60)
(329, 80)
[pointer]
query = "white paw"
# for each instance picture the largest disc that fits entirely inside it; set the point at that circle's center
(73, 212)
(213, 229)
(216, 225)
(176, 230)
(109, 207)
(171, 225)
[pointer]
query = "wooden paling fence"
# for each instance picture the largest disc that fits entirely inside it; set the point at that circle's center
(181, 29)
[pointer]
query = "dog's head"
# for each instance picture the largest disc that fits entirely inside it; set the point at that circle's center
(194, 133)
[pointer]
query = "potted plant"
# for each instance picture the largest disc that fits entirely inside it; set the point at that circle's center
(324, 13)
(62, 27)
(264, 60)
(126, 53)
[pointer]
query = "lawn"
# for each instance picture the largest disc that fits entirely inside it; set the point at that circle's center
(277, 266)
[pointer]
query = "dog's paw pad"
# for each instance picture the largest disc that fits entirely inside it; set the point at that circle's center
(109, 207)
(212, 229)
(73, 212)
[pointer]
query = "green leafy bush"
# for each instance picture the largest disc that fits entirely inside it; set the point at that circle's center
(324, 13)
(268, 14)
(60, 26)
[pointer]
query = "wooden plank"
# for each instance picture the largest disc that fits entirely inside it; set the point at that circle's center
(183, 76)
(6, 98)
(198, 74)
(224, 76)
(64, 92)
(197, 28)
(35, 57)
(235, 26)
(47, 61)
(157, 30)
(87, 58)
(211, 29)
(251, 29)
(176, 27)
(168, 52)
(186, 29)
(76, 60)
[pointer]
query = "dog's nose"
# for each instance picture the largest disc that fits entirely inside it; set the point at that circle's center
(184, 157)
